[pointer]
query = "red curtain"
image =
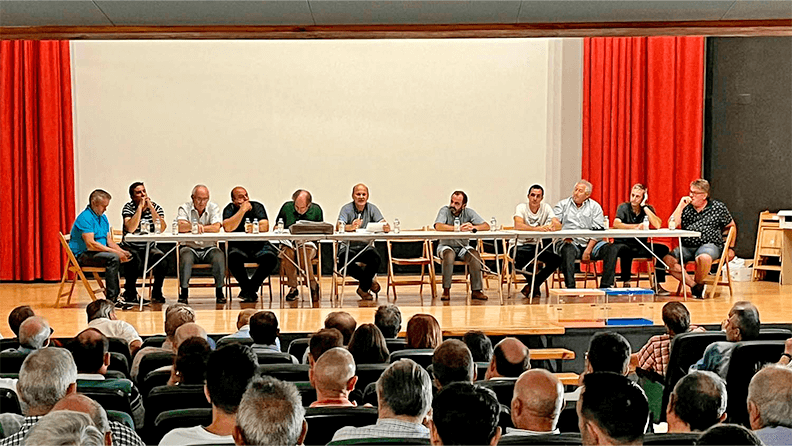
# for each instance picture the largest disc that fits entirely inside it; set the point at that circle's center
(36, 149)
(643, 107)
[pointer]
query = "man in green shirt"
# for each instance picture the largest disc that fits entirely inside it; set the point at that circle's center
(301, 207)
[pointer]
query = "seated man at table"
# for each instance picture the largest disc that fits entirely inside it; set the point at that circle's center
(235, 217)
(535, 216)
(698, 212)
(206, 216)
(631, 215)
(579, 212)
(301, 207)
(141, 212)
(92, 242)
(451, 249)
(355, 215)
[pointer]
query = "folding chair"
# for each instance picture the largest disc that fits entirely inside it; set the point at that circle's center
(79, 272)
(424, 261)
(720, 277)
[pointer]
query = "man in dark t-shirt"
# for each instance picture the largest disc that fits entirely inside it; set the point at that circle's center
(300, 208)
(236, 215)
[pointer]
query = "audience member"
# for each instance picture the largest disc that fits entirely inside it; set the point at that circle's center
(343, 322)
(452, 362)
(228, 372)
(388, 319)
(34, 334)
(611, 410)
(322, 341)
(479, 344)
(404, 395)
(81, 403)
(65, 427)
(333, 377)
(741, 325)
(770, 405)
(537, 403)
(189, 364)
(423, 331)
(368, 345)
(17, 316)
(731, 434)
(271, 412)
(101, 316)
(510, 359)
(697, 403)
(264, 332)
(243, 325)
(653, 356)
(608, 352)
(463, 413)
(175, 316)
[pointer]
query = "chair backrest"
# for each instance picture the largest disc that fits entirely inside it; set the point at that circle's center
(727, 241)
(285, 372)
(323, 422)
(567, 439)
(153, 379)
(164, 398)
(64, 240)
(396, 344)
(392, 441)
(178, 418)
(503, 388)
(154, 341)
(119, 345)
(368, 373)
(112, 394)
(747, 358)
(121, 417)
(298, 347)
(11, 362)
(422, 356)
(152, 361)
(674, 439)
(307, 392)
(119, 363)
(481, 370)
(225, 341)
(273, 357)
(9, 402)
(9, 343)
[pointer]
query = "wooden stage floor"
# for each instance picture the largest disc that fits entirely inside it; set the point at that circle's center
(456, 317)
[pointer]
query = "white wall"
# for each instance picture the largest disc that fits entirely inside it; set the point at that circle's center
(413, 119)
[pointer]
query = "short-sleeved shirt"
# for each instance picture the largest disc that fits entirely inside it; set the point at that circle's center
(257, 212)
(193, 435)
(349, 213)
(625, 213)
(385, 428)
(88, 223)
(654, 355)
(290, 215)
(210, 216)
(587, 216)
(116, 329)
(544, 216)
(467, 215)
(710, 222)
(145, 218)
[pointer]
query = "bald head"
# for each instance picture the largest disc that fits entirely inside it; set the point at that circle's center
(510, 358)
(343, 322)
(333, 371)
(81, 403)
(770, 397)
(187, 331)
(34, 333)
(244, 317)
(537, 402)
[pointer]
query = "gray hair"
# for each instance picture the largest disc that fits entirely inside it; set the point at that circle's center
(192, 194)
(271, 412)
(99, 308)
(45, 377)
(585, 183)
(97, 195)
(405, 387)
(34, 332)
(65, 427)
(771, 391)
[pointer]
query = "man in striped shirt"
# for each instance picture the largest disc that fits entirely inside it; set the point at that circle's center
(139, 213)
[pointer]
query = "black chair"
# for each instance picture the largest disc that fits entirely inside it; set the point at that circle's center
(285, 372)
(173, 419)
(154, 379)
(273, 357)
(111, 395)
(119, 345)
(9, 402)
(152, 361)
(675, 439)
(368, 373)
(154, 341)
(422, 356)
(395, 345)
(747, 358)
(380, 441)
(121, 417)
(503, 388)
(569, 439)
(481, 370)
(225, 341)
(323, 422)
(165, 398)
(298, 347)
(11, 362)
(9, 343)
(307, 392)
(568, 420)
(119, 362)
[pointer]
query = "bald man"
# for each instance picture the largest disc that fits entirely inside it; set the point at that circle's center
(114, 432)
(242, 324)
(510, 358)
(301, 207)
(205, 215)
(333, 377)
(537, 403)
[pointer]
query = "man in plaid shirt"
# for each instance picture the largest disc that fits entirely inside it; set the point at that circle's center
(653, 356)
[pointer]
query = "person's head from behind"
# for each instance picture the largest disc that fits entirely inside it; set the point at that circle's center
(189, 364)
(343, 322)
(17, 316)
(243, 318)
(186, 331)
(509, 359)
(322, 341)
(608, 352)
(770, 398)
(368, 345)
(537, 401)
(676, 318)
(34, 333)
(452, 362)
(228, 371)
(270, 412)
(697, 402)
(463, 413)
(479, 344)
(743, 322)
(175, 316)
(611, 410)
(264, 327)
(90, 349)
(81, 403)
(388, 319)
(731, 434)
(100, 308)
(65, 427)
(423, 331)
(334, 373)
(404, 390)
(46, 376)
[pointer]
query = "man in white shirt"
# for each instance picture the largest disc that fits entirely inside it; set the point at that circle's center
(535, 216)
(206, 216)
(101, 316)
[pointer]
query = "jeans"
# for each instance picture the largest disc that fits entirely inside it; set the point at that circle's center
(265, 257)
(607, 252)
(111, 263)
(189, 256)
(525, 254)
(632, 251)
(370, 260)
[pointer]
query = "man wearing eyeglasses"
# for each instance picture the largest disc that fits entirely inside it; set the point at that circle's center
(205, 215)
(698, 212)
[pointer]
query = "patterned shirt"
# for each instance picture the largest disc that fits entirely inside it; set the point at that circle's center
(654, 355)
(710, 222)
(385, 428)
(145, 218)
(122, 434)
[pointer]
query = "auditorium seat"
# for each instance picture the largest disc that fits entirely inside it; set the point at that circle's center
(119, 363)
(273, 357)
(152, 361)
(307, 392)
(569, 439)
(165, 398)
(10, 343)
(395, 345)
(673, 439)
(112, 394)
(11, 362)
(368, 373)
(298, 347)
(285, 372)
(153, 379)
(119, 345)
(393, 441)
(747, 358)
(172, 419)
(323, 422)
(503, 388)
(121, 417)
(225, 341)
(153, 341)
(422, 356)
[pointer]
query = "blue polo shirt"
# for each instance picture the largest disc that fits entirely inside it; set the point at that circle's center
(88, 223)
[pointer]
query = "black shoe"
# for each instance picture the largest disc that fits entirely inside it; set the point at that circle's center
(157, 298)
(137, 302)
(248, 296)
(292, 295)
(660, 291)
(121, 304)
(697, 291)
(220, 296)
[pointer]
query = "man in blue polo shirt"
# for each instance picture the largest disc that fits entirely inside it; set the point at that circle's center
(93, 245)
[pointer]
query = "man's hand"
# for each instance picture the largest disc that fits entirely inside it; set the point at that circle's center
(586, 255)
(466, 227)
(245, 206)
(124, 256)
(646, 197)
(386, 227)
(684, 201)
(356, 223)
(200, 228)
(788, 346)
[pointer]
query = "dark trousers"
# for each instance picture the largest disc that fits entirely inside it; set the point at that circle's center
(370, 260)
(525, 254)
(134, 267)
(608, 253)
(634, 251)
(267, 261)
(111, 263)
(211, 254)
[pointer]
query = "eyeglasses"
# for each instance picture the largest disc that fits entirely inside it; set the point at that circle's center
(693, 192)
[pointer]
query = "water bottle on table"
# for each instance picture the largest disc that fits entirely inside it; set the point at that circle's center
(456, 225)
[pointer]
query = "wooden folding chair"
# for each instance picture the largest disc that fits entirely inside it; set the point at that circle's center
(79, 272)
(424, 261)
(316, 264)
(720, 277)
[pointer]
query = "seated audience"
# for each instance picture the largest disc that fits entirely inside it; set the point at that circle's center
(510, 359)
(404, 395)
(463, 413)
(343, 322)
(479, 345)
(175, 316)
(653, 356)
(271, 412)
(388, 319)
(322, 341)
(243, 325)
(770, 405)
(228, 372)
(741, 325)
(80, 403)
(101, 316)
(264, 331)
(452, 362)
(189, 364)
(697, 402)
(183, 333)
(423, 331)
(611, 410)
(731, 434)
(608, 352)
(537, 404)
(17, 316)
(368, 345)
(64, 427)
(34, 334)
(333, 377)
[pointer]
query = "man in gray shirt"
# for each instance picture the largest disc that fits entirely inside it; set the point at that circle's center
(451, 249)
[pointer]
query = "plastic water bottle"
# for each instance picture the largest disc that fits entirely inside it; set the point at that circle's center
(396, 226)
(157, 226)
(279, 227)
(144, 227)
(671, 223)
(255, 226)
(194, 228)
(341, 227)
(645, 224)
(493, 224)
(456, 224)
(248, 226)
(175, 227)
(607, 222)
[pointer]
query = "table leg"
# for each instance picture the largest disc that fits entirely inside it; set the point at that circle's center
(145, 270)
(684, 273)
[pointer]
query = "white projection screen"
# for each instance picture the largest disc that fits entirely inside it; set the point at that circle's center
(413, 119)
